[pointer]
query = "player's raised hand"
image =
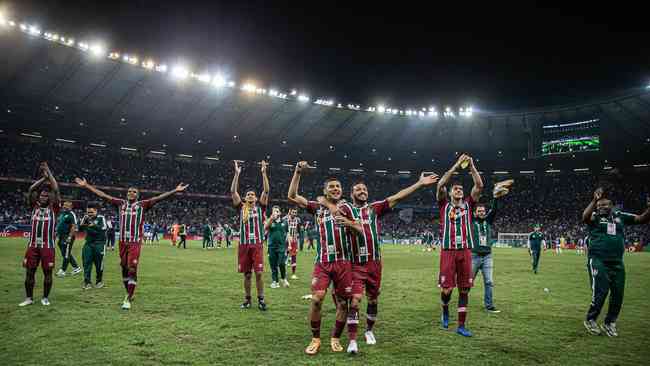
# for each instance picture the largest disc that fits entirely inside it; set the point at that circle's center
(237, 167)
(264, 165)
(301, 165)
(81, 182)
(428, 179)
(181, 187)
(460, 160)
(598, 193)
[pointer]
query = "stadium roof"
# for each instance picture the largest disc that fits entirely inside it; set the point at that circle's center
(63, 92)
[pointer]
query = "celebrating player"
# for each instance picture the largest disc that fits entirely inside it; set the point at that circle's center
(94, 226)
(40, 248)
(182, 233)
(482, 253)
(131, 213)
(605, 258)
(293, 221)
(458, 239)
(332, 258)
(227, 233)
(251, 234)
(535, 244)
(277, 228)
(66, 227)
(366, 250)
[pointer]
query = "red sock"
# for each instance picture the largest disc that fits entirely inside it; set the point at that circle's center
(315, 328)
(293, 269)
(338, 329)
(353, 322)
(130, 289)
(463, 298)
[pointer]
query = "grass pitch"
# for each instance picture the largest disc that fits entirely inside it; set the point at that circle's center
(186, 312)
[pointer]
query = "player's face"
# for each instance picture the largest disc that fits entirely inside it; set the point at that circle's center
(132, 194)
(67, 205)
(44, 198)
(360, 193)
(457, 192)
(480, 212)
(293, 212)
(333, 190)
(537, 228)
(604, 207)
(250, 197)
(91, 212)
(276, 211)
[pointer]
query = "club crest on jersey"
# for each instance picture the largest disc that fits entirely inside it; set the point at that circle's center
(456, 212)
(314, 280)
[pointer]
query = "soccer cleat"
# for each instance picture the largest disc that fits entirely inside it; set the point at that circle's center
(261, 305)
(610, 329)
(335, 343)
(60, 273)
(27, 301)
(285, 283)
(464, 332)
(493, 310)
(126, 305)
(370, 337)
(444, 320)
(314, 347)
(76, 271)
(592, 327)
(87, 286)
(99, 284)
(45, 301)
(245, 305)
(294, 277)
(353, 348)
(275, 284)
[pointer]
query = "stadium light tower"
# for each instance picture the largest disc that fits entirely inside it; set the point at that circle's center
(219, 80)
(180, 72)
(97, 50)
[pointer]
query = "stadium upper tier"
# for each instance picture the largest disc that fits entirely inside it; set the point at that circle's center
(63, 92)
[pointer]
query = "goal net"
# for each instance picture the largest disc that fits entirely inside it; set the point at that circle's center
(512, 240)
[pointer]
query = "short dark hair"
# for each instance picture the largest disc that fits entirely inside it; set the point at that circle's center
(480, 204)
(330, 179)
(250, 190)
(92, 205)
(360, 181)
(456, 183)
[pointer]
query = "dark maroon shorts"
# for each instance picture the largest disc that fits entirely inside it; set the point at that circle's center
(34, 256)
(251, 258)
(456, 268)
(129, 254)
(367, 277)
(339, 273)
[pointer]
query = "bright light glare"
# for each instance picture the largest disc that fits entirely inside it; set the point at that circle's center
(149, 64)
(219, 80)
(251, 88)
(204, 78)
(381, 109)
(179, 72)
(97, 50)
(303, 98)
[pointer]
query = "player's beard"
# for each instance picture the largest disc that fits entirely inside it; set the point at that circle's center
(359, 202)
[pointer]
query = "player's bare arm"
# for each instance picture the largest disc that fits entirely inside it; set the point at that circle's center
(293, 195)
(179, 188)
(47, 173)
(644, 218)
(441, 190)
(83, 183)
(269, 221)
(31, 197)
(234, 186)
(264, 198)
(424, 181)
(344, 221)
(478, 181)
(588, 212)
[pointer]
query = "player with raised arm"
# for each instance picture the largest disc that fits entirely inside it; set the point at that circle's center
(293, 222)
(332, 258)
(482, 253)
(131, 216)
(366, 250)
(606, 228)
(45, 206)
(458, 239)
(252, 214)
(535, 245)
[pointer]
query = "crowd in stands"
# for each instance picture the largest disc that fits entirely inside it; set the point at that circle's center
(554, 201)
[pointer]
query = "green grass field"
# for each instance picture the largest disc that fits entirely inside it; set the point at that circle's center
(186, 313)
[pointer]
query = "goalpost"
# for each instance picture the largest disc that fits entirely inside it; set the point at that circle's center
(508, 240)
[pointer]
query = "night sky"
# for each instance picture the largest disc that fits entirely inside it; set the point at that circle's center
(404, 55)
